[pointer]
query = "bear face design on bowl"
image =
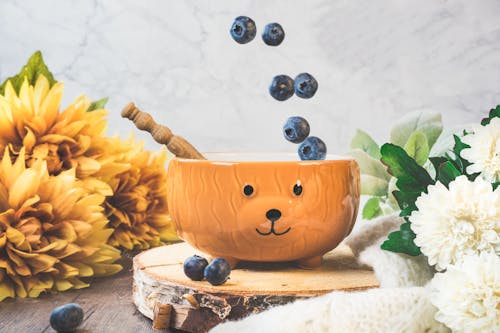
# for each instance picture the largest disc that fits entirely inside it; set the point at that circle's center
(263, 207)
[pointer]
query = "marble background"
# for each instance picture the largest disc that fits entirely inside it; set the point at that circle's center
(374, 60)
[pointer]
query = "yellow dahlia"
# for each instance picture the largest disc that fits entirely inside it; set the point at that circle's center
(74, 139)
(31, 119)
(52, 231)
(138, 210)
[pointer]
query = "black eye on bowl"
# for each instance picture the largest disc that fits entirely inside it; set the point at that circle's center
(297, 189)
(248, 190)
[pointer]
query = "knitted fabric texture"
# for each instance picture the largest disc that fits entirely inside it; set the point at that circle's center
(401, 304)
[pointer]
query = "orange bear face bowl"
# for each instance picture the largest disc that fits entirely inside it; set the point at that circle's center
(263, 207)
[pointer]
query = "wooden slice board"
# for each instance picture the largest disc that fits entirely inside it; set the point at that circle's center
(163, 293)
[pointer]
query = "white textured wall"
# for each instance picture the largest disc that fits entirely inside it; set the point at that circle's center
(374, 60)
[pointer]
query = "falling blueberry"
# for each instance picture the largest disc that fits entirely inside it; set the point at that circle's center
(66, 318)
(243, 29)
(273, 34)
(296, 129)
(312, 148)
(217, 272)
(281, 87)
(194, 266)
(305, 85)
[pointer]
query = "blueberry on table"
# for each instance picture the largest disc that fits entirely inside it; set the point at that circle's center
(312, 148)
(243, 29)
(305, 85)
(273, 34)
(217, 272)
(66, 318)
(281, 87)
(296, 129)
(194, 266)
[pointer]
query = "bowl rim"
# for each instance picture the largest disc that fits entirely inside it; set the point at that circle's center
(212, 157)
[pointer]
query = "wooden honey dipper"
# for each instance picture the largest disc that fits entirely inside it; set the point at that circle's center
(161, 134)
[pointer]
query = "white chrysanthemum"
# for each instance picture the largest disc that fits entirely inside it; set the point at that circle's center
(467, 295)
(484, 151)
(462, 220)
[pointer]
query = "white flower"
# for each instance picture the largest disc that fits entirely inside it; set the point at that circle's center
(467, 295)
(464, 220)
(484, 151)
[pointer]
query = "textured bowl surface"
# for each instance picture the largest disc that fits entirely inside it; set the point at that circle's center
(297, 209)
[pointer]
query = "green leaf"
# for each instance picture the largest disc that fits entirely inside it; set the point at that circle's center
(99, 104)
(447, 172)
(460, 162)
(368, 165)
(31, 71)
(446, 140)
(437, 161)
(495, 185)
(391, 199)
(411, 176)
(459, 145)
(372, 209)
(494, 113)
(406, 201)
(417, 147)
(429, 123)
(402, 241)
(373, 186)
(364, 141)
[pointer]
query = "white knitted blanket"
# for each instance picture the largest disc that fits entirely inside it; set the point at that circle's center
(400, 305)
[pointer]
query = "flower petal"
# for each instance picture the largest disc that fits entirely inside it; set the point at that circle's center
(49, 109)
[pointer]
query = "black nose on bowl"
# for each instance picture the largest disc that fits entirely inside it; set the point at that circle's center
(273, 214)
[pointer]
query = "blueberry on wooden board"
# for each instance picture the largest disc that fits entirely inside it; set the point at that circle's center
(194, 267)
(66, 318)
(217, 272)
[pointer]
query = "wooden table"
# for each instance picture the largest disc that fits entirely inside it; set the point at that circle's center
(164, 293)
(109, 308)
(107, 304)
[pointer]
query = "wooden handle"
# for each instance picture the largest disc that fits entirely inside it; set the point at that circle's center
(161, 134)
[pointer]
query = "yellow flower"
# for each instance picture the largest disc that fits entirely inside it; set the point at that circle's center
(52, 231)
(31, 119)
(138, 209)
(132, 180)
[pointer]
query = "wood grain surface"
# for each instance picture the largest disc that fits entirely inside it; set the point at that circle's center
(339, 271)
(109, 308)
(197, 306)
(107, 304)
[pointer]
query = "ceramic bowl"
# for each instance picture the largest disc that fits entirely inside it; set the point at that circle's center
(263, 207)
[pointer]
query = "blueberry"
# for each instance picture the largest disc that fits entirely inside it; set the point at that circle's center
(273, 34)
(296, 129)
(243, 29)
(312, 148)
(217, 272)
(194, 266)
(305, 85)
(281, 88)
(66, 318)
